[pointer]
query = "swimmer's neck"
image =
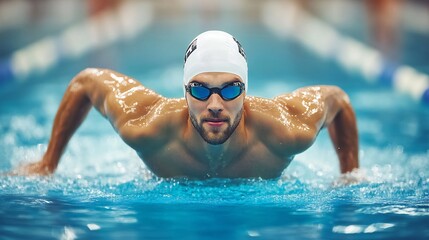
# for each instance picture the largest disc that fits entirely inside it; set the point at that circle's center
(220, 155)
(215, 155)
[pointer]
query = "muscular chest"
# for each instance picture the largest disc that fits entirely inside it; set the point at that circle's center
(174, 160)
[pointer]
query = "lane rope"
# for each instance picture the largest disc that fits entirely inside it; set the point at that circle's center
(125, 22)
(288, 21)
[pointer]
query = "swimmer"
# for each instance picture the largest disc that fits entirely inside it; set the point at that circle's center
(216, 130)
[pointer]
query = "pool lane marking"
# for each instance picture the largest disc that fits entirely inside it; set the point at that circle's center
(412, 15)
(287, 21)
(130, 19)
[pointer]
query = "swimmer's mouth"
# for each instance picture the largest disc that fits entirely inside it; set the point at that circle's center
(215, 121)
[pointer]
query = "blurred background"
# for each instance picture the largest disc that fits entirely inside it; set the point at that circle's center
(371, 38)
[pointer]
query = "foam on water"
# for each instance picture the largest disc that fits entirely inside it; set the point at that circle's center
(111, 170)
(106, 192)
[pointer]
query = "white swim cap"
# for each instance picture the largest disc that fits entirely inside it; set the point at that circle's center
(214, 51)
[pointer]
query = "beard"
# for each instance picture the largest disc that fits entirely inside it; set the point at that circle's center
(216, 136)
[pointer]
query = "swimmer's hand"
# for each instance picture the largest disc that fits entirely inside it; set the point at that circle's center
(40, 168)
(356, 176)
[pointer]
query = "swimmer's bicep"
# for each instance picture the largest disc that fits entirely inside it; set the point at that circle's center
(335, 101)
(304, 105)
(119, 98)
(306, 115)
(318, 105)
(131, 112)
(309, 110)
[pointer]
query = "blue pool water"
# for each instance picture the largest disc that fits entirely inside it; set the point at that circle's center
(102, 190)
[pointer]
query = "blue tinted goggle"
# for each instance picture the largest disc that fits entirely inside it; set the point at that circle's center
(227, 93)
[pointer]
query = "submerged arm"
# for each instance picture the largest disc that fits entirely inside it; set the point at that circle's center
(109, 92)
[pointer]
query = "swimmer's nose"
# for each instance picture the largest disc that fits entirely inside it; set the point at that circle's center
(215, 104)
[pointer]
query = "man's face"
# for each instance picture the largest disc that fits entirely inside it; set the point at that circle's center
(215, 119)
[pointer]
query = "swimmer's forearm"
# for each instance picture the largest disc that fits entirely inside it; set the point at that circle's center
(73, 109)
(344, 135)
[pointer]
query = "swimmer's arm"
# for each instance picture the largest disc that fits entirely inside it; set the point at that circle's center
(112, 94)
(327, 106)
(342, 127)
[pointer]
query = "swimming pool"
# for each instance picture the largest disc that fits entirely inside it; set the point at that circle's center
(102, 190)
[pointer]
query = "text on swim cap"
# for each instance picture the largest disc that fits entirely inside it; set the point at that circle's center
(190, 49)
(240, 48)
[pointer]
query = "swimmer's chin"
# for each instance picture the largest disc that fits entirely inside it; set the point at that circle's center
(356, 176)
(215, 141)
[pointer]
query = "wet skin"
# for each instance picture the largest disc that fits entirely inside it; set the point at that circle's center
(247, 137)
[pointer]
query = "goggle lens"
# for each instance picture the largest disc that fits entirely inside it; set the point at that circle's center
(227, 93)
(230, 92)
(200, 92)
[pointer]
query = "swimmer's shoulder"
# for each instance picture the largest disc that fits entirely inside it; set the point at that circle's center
(295, 104)
(171, 111)
(166, 113)
(278, 122)
(266, 117)
(302, 101)
(158, 124)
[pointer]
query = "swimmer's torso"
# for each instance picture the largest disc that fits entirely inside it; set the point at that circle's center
(170, 148)
(269, 134)
(175, 159)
